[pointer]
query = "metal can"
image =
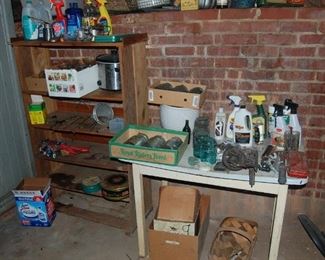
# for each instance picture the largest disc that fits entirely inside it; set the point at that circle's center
(156, 141)
(138, 139)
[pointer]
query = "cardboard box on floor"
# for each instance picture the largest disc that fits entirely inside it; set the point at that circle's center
(178, 210)
(165, 245)
(176, 98)
(34, 204)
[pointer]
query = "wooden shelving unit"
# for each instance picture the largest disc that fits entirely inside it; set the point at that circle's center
(69, 121)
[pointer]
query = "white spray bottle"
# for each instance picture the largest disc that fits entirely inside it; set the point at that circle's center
(293, 120)
(280, 128)
(235, 100)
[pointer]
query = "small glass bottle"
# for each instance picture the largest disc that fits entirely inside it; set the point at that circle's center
(188, 130)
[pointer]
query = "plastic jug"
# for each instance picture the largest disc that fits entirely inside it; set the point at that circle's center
(243, 127)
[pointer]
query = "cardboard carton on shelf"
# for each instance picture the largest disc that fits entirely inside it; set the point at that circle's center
(34, 204)
(70, 82)
(188, 99)
(165, 245)
(119, 149)
(178, 210)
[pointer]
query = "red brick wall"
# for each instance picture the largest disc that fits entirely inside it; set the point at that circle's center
(279, 52)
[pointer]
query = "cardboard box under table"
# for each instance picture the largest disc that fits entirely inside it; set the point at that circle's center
(34, 204)
(177, 98)
(118, 148)
(178, 210)
(165, 245)
(70, 82)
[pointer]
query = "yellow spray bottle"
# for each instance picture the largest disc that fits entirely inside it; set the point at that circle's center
(259, 119)
(104, 17)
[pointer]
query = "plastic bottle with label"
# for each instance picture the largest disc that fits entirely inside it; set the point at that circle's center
(220, 125)
(277, 136)
(235, 100)
(271, 119)
(29, 25)
(243, 127)
(45, 16)
(74, 20)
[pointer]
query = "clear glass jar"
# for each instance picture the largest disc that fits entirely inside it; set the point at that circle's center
(201, 129)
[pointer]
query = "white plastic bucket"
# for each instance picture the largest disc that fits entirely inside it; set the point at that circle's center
(174, 117)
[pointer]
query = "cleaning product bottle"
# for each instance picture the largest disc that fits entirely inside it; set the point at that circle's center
(45, 17)
(243, 127)
(235, 100)
(271, 120)
(294, 122)
(104, 18)
(60, 23)
(277, 137)
(29, 25)
(74, 20)
(259, 119)
(89, 19)
(286, 110)
(220, 125)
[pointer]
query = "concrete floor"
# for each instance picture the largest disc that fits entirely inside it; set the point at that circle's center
(74, 238)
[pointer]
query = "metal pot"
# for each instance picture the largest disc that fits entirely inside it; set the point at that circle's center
(109, 76)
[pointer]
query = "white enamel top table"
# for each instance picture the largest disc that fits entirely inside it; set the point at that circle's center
(266, 183)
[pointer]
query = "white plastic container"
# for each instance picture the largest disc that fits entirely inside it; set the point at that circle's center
(174, 117)
(235, 100)
(29, 25)
(220, 125)
(243, 127)
(271, 119)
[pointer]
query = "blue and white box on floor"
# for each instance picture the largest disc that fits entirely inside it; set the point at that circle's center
(34, 202)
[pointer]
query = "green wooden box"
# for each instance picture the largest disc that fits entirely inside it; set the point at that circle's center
(118, 148)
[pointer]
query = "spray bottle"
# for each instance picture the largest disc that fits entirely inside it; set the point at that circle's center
(286, 110)
(277, 136)
(235, 100)
(220, 125)
(60, 23)
(293, 120)
(243, 127)
(259, 119)
(90, 15)
(104, 18)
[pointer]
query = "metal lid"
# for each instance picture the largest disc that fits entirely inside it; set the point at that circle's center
(108, 58)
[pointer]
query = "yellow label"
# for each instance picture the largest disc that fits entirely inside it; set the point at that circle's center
(189, 5)
(37, 117)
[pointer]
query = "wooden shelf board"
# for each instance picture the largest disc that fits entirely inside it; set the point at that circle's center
(77, 123)
(140, 37)
(98, 157)
(96, 95)
(80, 173)
(91, 208)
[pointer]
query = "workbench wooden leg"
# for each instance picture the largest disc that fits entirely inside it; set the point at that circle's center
(140, 210)
(279, 210)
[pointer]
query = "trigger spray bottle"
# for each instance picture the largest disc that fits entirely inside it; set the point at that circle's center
(259, 119)
(235, 100)
(104, 18)
(277, 136)
(60, 23)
